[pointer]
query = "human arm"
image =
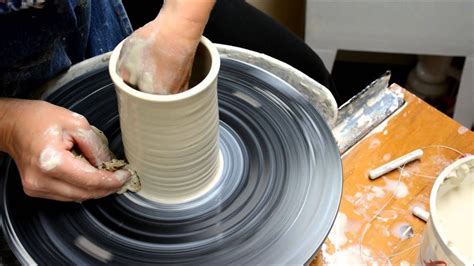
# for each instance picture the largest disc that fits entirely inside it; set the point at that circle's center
(7, 6)
(39, 136)
(158, 57)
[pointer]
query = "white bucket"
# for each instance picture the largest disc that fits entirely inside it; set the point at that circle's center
(448, 237)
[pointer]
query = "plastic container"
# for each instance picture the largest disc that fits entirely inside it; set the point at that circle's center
(448, 237)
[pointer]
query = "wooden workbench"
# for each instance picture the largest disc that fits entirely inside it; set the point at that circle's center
(415, 125)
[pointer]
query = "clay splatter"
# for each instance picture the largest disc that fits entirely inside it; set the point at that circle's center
(337, 236)
(339, 239)
(387, 215)
(404, 263)
(341, 226)
(381, 127)
(351, 255)
(462, 130)
(385, 232)
(402, 230)
(364, 120)
(398, 91)
(52, 131)
(440, 161)
(361, 201)
(49, 159)
(379, 193)
(400, 189)
(374, 143)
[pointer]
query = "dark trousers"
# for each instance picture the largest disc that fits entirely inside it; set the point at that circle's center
(237, 23)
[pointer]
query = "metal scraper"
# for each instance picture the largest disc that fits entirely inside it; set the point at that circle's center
(365, 111)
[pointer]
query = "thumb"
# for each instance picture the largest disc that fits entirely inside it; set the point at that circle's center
(93, 144)
(80, 173)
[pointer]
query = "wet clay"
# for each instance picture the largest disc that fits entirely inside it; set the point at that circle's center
(133, 184)
(113, 165)
(172, 141)
(455, 205)
(134, 63)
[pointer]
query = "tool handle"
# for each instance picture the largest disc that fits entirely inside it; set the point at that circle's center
(376, 173)
(420, 213)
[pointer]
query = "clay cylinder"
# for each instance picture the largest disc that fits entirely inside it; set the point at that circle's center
(172, 140)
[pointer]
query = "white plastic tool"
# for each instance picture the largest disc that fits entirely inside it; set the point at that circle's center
(390, 166)
(421, 213)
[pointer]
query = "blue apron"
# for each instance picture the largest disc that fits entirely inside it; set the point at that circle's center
(38, 44)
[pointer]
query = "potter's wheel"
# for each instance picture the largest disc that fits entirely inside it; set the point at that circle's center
(275, 203)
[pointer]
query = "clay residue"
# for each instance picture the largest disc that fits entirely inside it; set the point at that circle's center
(397, 187)
(462, 130)
(374, 143)
(402, 230)
(133, 184)
(337, 236)
(353, 255)
(49, 159)
(455, 206)
(314, 92)
(342, 250)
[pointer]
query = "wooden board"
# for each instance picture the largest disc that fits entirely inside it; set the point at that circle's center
(415, 125)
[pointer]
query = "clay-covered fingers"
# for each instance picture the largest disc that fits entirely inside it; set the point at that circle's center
(82, 174)
(71, 179)
(91, 144)
(158, 57)
(56, 189)
(40, 141)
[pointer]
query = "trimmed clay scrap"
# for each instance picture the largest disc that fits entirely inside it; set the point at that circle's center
(133, 184)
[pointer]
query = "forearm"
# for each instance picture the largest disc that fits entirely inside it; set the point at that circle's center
(193, 14)
(39, 136)
(7, 6)
(7, 121)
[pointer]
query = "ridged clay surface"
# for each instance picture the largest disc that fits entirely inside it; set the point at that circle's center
(172, 140)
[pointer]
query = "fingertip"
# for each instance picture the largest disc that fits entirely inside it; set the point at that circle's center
(112, 181)
(122, 175)
(108, 181)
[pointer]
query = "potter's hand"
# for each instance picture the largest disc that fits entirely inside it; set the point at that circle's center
(39, 137)
(158, 57)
